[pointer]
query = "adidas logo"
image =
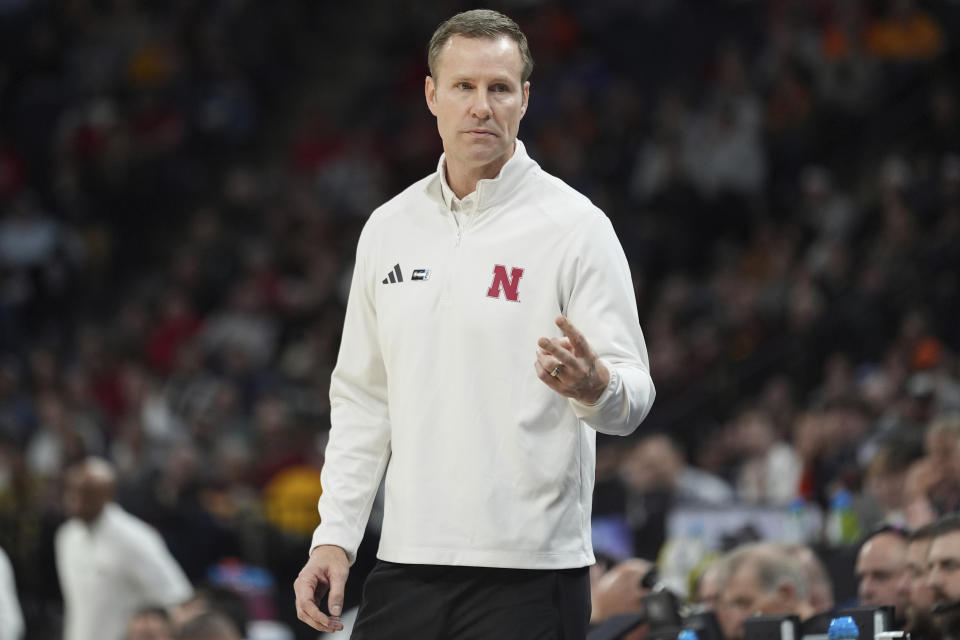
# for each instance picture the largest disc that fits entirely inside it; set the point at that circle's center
(395, 275)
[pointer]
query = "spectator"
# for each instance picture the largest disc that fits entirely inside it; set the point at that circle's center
(819, 585)
(770, 470)
(758, 579)
(914, 587)
(943, 578)
(707, 592)
(881, 563)
(110, 564)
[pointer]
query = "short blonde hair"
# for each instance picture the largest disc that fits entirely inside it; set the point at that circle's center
(480, 23)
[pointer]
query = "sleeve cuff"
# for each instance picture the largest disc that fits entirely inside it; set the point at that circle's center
(584, 410)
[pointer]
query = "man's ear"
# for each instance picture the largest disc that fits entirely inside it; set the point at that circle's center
(526, 98)
(430, 93)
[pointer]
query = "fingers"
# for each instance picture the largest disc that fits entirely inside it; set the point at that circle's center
(338, 579)
(325, 573)
(553, 356)
(580, 346)
(308, 590)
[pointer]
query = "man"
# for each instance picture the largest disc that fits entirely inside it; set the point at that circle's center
(881, 563)
(943, 576)
(110, 564)
(759, 579)
(913, 585)
(454, 381)
(707, 592)
(819, 585)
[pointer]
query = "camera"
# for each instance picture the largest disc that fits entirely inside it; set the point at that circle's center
(664, 615)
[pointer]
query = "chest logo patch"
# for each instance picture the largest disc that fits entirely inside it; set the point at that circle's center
(507, 285)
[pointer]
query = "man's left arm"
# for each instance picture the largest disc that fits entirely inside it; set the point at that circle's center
(161, 579)
(601, 361)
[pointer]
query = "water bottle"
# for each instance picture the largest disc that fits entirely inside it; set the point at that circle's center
(843, 629)
(687, 634)
(795, 525)
(843, 526)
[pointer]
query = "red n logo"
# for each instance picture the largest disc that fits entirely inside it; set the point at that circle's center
(502, 282)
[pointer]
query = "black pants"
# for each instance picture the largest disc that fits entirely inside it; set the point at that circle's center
(434, 602)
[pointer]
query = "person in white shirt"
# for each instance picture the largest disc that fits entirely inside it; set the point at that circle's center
(11, 617)
(110, 563)
(491, 330)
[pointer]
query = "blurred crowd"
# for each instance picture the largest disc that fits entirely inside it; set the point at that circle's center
(182, 185)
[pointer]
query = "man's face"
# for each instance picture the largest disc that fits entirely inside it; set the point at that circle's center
(478, 98)
(82, 497)
(880, 566)
(943, 568)
(743, 597)
(708, 589)
(913, 584)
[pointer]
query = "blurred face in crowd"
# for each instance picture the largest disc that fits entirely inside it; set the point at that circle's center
(743, 596)
(880, 567)
(478, 98)
(943, 568)
(650, 465)
(913, 584)
(86, 492)
(708, 588)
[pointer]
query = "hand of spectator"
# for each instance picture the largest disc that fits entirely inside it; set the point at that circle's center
(620, 590)
(569, 366)
(324, 574)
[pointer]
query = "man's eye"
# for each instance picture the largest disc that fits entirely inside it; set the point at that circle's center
(463, 85)
(501, 88)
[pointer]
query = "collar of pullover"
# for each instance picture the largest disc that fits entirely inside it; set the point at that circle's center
(491, 190)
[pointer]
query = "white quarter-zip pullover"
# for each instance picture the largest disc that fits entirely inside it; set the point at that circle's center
(435, 381)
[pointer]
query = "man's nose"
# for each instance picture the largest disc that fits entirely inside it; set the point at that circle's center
(903, 585)
(481, 105)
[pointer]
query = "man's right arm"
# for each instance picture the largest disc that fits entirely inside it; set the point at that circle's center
(356, 456)
(359, 445)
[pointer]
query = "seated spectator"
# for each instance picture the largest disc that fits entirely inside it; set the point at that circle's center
(770, 469)
(759, 579)
(943, 576)
(881, 564)
(658, 462)
(933, 482)
(819, 585)
(913, 585)
(657, 477)
(706, 592)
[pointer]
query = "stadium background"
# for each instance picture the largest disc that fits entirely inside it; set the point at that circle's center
(182, 185)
